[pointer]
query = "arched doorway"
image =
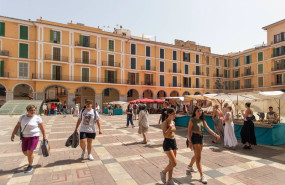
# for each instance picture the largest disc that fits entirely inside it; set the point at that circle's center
(147, 94)
(197, 93)
(174, 94)
(161, 94)
(56, 93)
(186, 93)
(110, 94)
(207, 93)
(2, 95)
(23, 92)
(132, 94)
(82, 94)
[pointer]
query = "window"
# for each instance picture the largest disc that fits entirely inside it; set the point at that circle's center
(217, 62)
(260, 56)
(226, 85)
(247, 59)
(147, 64)
(236, 84)
(133, 63)
(174, 55)
(133, 49)
(279, 79)
(130, 93)
(260, 81)
(197, 83)
(23, 50)
(207, 83)
(54, 36)
(174, 67)
(56, 72)
(2, 29)
(207, 60)
(226, 62)
(217, 72)
(24, 32)
(278, 51)
(207, 71)
(161, 53)
(236, 62)
(174, 81)
(226, 73)
(278, 38)
(110, 76)
(236, 73)
(186, 68)
(197, 58)
(111, 45)
(260, 68)
(186, 57)
(1, 68)
(247, 83)
(161, 80)
(85, 74)
(161, 66)
(187, 82)
(133, 78)
(279, 65)
(147, 51)
(56, 53)
(111, 60)
(148, 79)
(85, 57)
(247, 71)
(107, 92)
(197, 70)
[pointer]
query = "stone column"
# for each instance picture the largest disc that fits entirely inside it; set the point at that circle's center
(9, 95)
(71, 100)
(39, 96)
(98, 99)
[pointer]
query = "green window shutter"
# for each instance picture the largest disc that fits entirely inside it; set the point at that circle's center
(115, 77)
(129, 78)
(147, 65)
(106, 76)
(81, 40)
(151, 79)
(244, 60)
(60, 69)
(260, 68)
(239, 73)
(137, 78)
(133, 63)
(2, 68)
(111, 45)
(58, 37)
(51, 35)
(2, 29)
(83, 77)
(24, 32)
(23, 50)
(88, 41)
(274, 52)
(250, 59)
(260, 56)
(53, 72)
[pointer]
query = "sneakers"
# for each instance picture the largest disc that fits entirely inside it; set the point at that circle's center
(82, 154)
(203, 180)
(29, 169)
(90, 157)
(191, 169)
(163, 177)
(171, 182)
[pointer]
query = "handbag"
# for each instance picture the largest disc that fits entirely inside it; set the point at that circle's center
(20, 131)
(45, 148)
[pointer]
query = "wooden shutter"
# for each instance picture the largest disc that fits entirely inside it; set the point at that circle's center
(53, 72)
(115, 77)
(81, 40)
(244, 60)
(274, 52)
(106, 76)
(111, 45)
(23, 50)
(51, 35)
(2, 68)
(260, 68)
(137, 78)
(129, 78)
(133, 63)
(2, 29)
(147, 66)
(23, 32)
(58, 37)
(88, 41)
(151, 79)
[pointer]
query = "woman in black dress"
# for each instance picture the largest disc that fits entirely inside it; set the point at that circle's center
(247, 130)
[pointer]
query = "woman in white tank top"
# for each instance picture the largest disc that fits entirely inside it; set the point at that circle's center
(230, 139)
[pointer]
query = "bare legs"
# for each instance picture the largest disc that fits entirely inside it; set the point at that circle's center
(30, 155)
(89, 145)
(197, 157)
(172, 163)
(144, 138)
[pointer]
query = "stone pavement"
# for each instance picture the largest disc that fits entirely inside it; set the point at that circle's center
(121, 159)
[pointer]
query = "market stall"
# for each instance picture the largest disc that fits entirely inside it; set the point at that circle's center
(117, 107)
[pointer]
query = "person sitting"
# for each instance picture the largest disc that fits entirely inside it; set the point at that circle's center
(271, 116)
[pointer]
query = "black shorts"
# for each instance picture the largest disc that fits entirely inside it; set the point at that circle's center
(169, 144)
(84, 135)
(197, 138)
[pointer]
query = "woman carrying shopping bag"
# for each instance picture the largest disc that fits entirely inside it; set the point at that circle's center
(143, 123)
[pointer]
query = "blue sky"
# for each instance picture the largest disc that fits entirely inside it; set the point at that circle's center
(224, 25)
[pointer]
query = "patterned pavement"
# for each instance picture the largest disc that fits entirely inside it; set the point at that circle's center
(119, 158)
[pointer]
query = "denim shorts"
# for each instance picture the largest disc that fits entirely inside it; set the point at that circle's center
(197, 138)
(169, 144)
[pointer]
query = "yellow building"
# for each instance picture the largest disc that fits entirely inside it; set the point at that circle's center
(72, 63)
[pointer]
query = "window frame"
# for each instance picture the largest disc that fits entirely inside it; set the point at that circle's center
(82, 56)
(109, 45)
(163, 66)
(131, 48)
(160, 80)
(161, 49)
(149, 51)
(28, 68)
(20, 31)
(131, 62)
(19, 49)
(60, 53)
(81, 74)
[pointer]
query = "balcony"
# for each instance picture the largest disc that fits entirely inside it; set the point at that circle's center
(63, 78)
(149, 69)
(174, 71)
(81, 61)
(91, 45)
(248, 73)
(198, 86)
(56, 58)
(130, 82)
(247, 86)
(148, 83)
(4, 53)
(110, 80)
(217, 75)
(277, 83)
(174, 85)
(4, 75)
(198, 73)
(278, 68)
(111, 64)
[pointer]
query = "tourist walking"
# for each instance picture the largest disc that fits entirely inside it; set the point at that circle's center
(218, 122)
(135, 110)
(129, 112)
(195, 135)
(97, 108)
(247, 131)
(76, 111)
(143, 122)
(64, 110)
(169, 146)
(30, 125)
(163, 112)
(230, 139)
(110, 110)
(87, 118)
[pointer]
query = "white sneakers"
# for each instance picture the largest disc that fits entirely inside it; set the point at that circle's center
(163, 177)
(171, 182)
(90, 157)
(203, 180)
(191, 168)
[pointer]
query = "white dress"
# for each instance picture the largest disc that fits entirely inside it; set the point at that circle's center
(229, 132)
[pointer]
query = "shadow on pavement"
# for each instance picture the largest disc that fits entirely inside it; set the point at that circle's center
(64, 162)
(17, 170)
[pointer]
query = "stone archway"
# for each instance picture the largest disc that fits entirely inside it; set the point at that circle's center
(110, 94)
(2, 95)
(161, 94)
(207, 93)
(56, 93)
(186, 93)
(23, 91)
(132, 94)
(197, 93)
(174, 94)
(148, 94)
(83, 94)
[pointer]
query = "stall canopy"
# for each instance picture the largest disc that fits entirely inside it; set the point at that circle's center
(159, 100)
(145, 100)
(116, 102)
(196, 97)
(176, 98)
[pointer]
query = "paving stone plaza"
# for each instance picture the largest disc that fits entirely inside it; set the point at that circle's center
(119, 158)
